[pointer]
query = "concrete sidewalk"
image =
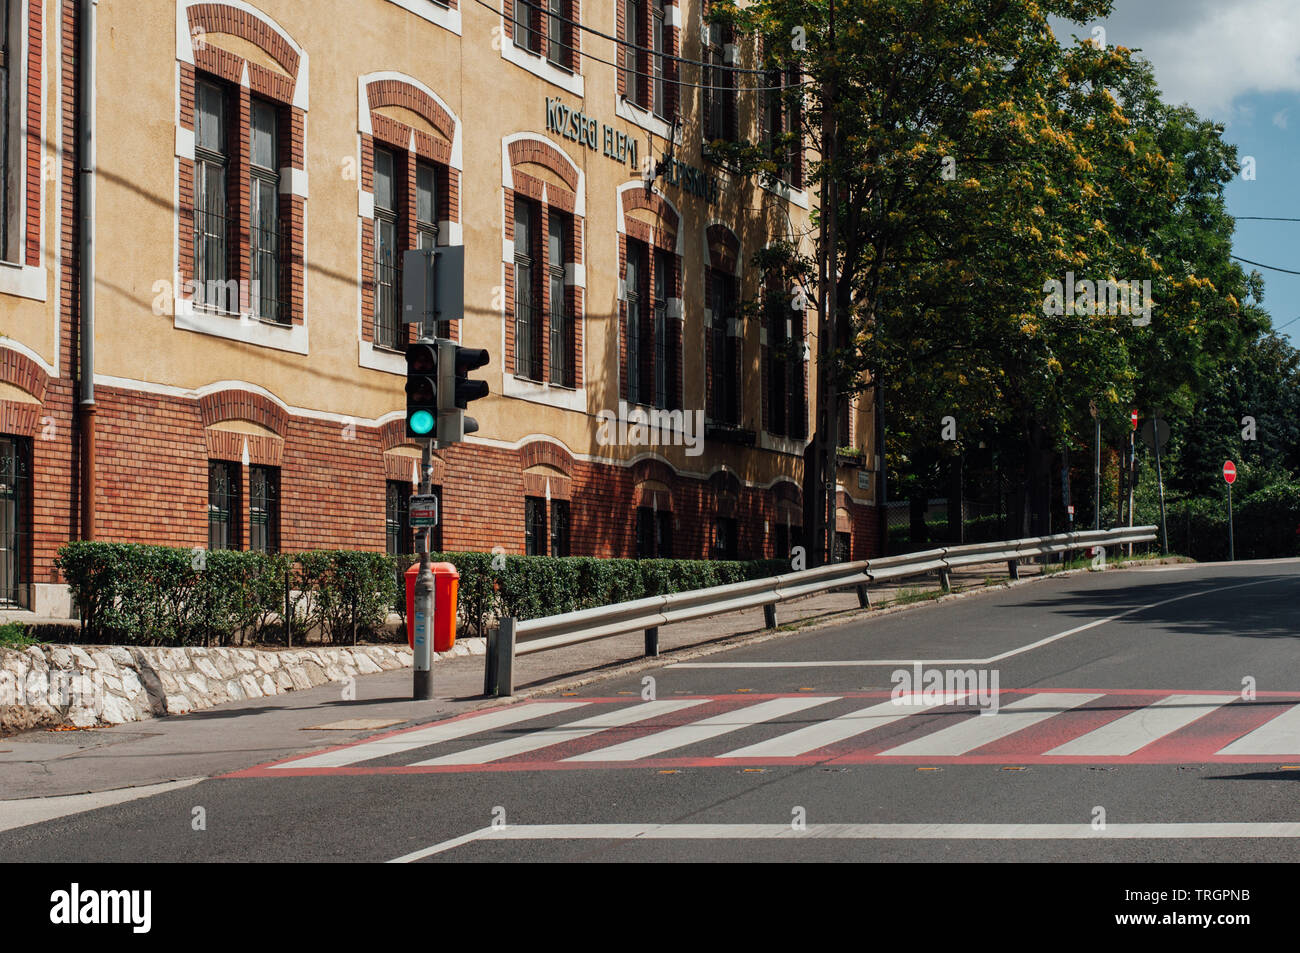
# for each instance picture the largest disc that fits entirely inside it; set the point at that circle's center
(244, 733)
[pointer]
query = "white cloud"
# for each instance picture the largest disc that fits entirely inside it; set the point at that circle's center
(1280, 118)
(1209, 52)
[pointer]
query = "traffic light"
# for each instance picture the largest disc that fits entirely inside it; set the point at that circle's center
(421, 389)
(456, 390)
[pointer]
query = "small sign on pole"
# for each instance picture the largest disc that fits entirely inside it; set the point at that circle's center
(423, 511)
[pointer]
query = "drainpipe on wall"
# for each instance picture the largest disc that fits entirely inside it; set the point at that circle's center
(86, 258)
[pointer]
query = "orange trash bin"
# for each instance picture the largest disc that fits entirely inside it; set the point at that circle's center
(446, 588)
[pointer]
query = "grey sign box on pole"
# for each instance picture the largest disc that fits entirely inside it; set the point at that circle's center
(433, 284)
(417, 285)
(450, 286)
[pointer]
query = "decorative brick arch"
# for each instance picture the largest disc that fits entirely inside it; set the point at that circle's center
(24, 373)
(397, 466)
(545, 453)
(541, 153)
(654, 469)
(636, 198)
(396, 92)
(236, 404)
(788, 503)
(725, 487)
(20, 417)
(785, 491)
(224, 18)
(724, 248)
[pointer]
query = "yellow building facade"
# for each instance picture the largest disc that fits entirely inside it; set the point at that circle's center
(259, 171)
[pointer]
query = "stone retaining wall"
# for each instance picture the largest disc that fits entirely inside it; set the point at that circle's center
(86, 686)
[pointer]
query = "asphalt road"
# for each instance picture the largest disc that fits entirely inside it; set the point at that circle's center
(1132, 715)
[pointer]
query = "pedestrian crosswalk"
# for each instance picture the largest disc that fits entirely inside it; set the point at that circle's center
(1041, 726)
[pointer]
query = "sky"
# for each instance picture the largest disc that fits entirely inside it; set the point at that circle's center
(1236, 62)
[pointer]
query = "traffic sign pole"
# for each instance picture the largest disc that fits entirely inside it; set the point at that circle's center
(1230, 477)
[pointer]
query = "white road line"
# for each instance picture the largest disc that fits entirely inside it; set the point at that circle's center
(1280, 735)
(701, 730)
(38, 810)
(828, 732)
(553, 736)
(1152, 831)
(984, 728)
(423, 737)
(868, 663)
(1140, 728)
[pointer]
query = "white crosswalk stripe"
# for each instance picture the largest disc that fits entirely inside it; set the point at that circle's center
(1140, 728)
(984, 729)
(562, 733)
(701, 730)
(823, 733)
(1277, 736)
(434, 734)
(1140, 725)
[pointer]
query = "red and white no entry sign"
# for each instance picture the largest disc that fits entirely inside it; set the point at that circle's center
(1230, 472)
(1133, 416)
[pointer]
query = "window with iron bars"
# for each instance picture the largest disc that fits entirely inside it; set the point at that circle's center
(212, 221)
(786, 404)
(223, 505)
(267, 253)
(633, 53)
(560, 34)
(528, 311)
(635, 278)
(527, 35)
(781, 125)
(389, 331)
(724, 365)
(560, 234)
(665, 333)
(534, 526)
(559, 527)
(391, 214)
(654, 533)
(264, 509)
(719, 86)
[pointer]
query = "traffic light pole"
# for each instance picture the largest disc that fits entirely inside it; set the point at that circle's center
(422, 664)
(422, 687)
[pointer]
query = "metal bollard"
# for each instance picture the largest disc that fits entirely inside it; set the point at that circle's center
(652, 642)
(499, 675)
(864, 598)
(1013, 568)
(769, 616)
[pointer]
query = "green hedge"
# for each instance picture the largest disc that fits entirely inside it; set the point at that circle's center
(528, 587)
(159, 595)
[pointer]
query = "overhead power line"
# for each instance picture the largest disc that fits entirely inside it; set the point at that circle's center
(1285, 271)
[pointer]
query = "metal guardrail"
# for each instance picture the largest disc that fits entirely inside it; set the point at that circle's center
(512, 637)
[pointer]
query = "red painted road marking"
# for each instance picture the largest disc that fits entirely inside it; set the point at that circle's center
(1200, 741)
